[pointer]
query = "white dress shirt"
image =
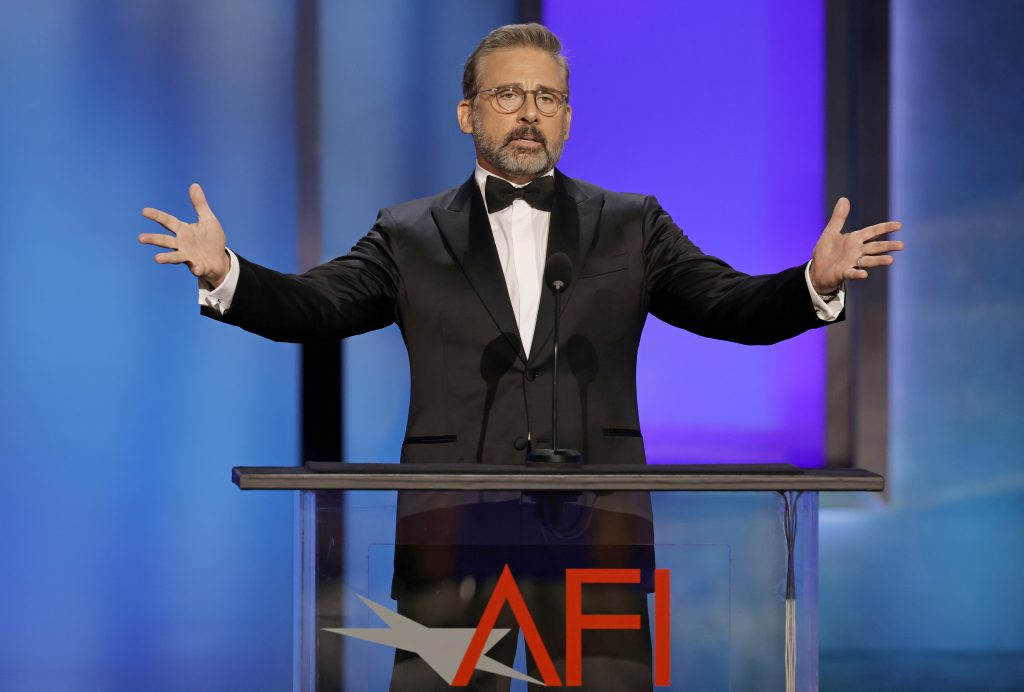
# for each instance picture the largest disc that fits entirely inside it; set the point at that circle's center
(521, 239)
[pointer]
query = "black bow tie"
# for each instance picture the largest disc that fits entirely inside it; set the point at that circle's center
(500, 194)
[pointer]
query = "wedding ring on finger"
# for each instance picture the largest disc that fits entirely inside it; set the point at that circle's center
(856, 265)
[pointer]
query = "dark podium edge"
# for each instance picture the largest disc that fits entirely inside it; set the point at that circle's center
(650, 478)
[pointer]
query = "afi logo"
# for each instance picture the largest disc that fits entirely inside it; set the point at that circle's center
(507, 591)
(454, 653)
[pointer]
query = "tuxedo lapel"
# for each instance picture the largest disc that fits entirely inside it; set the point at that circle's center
(467, 232)
(574, 220)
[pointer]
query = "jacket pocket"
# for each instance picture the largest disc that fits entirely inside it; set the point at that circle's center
(429, 439)
(598, 266)
(621, 432)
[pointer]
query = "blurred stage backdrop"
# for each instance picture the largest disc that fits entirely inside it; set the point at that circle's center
(129, 560)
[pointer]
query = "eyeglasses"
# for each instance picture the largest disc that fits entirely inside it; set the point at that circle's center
(509, 99)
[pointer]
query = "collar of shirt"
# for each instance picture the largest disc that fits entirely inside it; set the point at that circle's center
(481, 180)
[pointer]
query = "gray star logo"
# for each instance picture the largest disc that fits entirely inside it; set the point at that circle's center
(441, 648)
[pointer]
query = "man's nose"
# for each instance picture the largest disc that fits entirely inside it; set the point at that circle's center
(528, 112)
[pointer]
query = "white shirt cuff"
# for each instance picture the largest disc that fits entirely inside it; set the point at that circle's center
(219, 299)
(827, 312)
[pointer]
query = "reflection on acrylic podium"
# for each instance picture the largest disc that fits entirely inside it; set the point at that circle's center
(414, 577)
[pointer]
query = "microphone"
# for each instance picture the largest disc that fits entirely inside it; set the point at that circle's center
(557, 277)
(558, 273)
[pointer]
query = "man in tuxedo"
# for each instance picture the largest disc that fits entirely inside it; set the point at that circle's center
(461, 274)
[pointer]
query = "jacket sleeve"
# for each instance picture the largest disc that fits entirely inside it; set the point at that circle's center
(704, 295)
(349, 295)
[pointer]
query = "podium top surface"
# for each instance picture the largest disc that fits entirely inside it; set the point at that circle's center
(675, 477)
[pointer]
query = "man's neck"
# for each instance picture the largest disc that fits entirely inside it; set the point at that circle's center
(515, 180)
(483, 170)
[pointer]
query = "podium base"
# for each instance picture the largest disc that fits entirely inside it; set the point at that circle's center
(555, 458)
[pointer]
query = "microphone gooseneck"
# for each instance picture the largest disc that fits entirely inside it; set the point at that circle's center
(557, 277)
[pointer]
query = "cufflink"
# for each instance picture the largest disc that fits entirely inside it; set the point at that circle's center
(829, 297)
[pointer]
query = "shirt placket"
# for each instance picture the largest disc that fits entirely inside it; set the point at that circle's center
(524, 256)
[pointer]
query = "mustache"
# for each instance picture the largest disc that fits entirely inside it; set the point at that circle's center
(526, 131)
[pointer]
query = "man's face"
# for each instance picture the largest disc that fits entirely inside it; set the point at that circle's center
(522, 145)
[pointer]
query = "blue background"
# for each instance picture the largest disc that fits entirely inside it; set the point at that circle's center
(129, 561)
(932, 582)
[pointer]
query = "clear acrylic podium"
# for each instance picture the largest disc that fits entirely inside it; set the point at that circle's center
(406, 557)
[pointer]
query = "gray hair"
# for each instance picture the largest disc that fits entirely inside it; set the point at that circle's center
(512, 36)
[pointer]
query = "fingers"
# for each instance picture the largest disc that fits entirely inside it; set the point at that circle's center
(159, 240)
(869, 261)
(859, 272)
(170, 258)
(169, 222)
(198, 197)
(839, 214)
(880, 246)
(179, 258)
(872, 255)
(879, 229)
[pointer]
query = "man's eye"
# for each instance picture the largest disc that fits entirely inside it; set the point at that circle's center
(508, 95)
(547, 99)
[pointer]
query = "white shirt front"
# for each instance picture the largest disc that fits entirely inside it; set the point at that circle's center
(521, 239)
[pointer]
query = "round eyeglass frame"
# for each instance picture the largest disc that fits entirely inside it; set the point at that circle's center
(493, 92)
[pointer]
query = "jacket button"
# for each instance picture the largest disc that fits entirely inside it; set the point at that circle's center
(519, 443)
(531, 375)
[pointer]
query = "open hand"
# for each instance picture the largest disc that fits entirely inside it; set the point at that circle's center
(842, 256)
(200, 245)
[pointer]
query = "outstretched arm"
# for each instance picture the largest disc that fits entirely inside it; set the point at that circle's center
(346, 296)
(704, 295)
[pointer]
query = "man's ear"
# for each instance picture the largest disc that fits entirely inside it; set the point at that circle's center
(464, 112)
(568, 119)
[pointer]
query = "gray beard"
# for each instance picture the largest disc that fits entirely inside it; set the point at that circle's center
(512, 160)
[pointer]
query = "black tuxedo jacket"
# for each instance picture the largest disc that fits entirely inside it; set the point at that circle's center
(431, 266)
